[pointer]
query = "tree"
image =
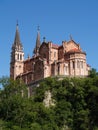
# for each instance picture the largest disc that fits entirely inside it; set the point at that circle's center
(13, 101)
(76, 105)
(93, 73)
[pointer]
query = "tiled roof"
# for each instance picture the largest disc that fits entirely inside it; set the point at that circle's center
(55, 46)
(61, 46)
(74, 50)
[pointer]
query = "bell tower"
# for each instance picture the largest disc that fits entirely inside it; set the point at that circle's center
(17, 56)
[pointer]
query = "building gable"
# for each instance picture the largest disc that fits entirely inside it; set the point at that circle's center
(38, 69)
(44, 51)
(71, 45)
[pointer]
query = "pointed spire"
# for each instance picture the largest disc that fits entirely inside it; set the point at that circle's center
(17, 37)
(38, 38)
(36, 49)
(17, 47)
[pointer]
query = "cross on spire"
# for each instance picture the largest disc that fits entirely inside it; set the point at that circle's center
(17, 23)
(38, 28)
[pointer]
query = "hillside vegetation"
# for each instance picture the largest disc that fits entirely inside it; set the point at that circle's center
(68, 104)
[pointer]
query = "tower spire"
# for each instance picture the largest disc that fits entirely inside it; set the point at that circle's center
(38, 38)
(17, 37)
(17, 47)
(17, 56)
(36, 50)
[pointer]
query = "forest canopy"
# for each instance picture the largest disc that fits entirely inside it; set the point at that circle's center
(73, 104)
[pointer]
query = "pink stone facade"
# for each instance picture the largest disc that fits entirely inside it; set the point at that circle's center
(49, 59)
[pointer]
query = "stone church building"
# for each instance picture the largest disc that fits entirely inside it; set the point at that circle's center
(49, 60)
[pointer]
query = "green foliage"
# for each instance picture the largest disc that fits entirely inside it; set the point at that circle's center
(76, 105)
(93, 73)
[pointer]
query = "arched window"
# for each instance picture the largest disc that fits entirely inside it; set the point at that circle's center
(20, 56)
(19, 66)
(78, 64)
(73, 64)
(66, 69)
(81, 64)
(54, 54)
(44, 55)
(17, 56)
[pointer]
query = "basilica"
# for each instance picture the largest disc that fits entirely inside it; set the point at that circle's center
(48, 60)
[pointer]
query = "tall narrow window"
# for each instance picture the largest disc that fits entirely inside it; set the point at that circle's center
(20, 56)
(78, 64)
(58, 69)
(73, 64)
(65, 70)
(54, 54)
(44, 55)
(81, 64)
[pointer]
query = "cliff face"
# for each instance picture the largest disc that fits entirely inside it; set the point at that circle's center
(48, 101)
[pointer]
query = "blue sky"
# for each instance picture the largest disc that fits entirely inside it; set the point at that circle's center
(57, 20)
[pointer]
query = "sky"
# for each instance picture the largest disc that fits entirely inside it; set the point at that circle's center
(58, 19)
